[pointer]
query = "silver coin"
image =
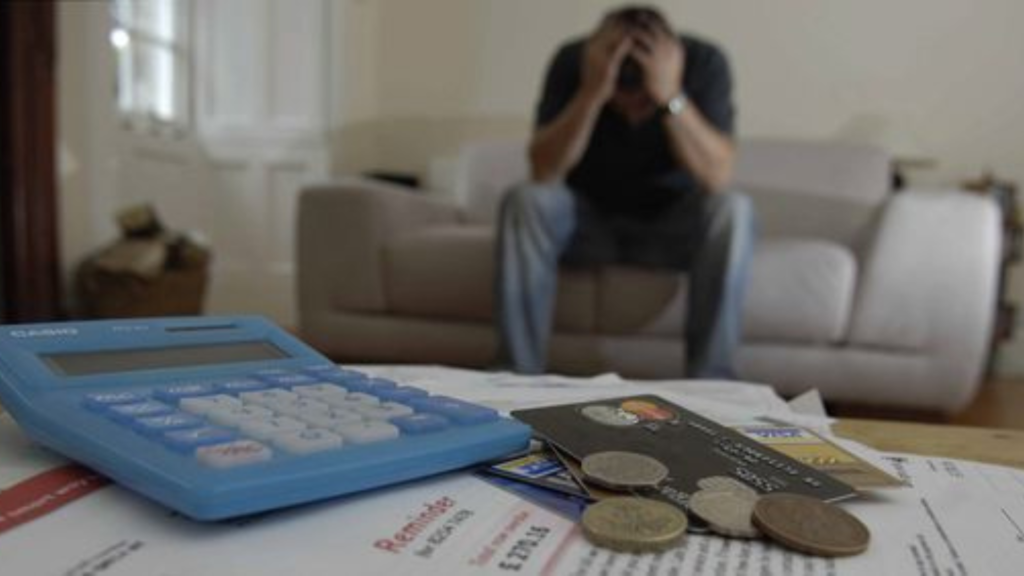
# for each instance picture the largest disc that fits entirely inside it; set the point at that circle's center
(628, 524)
(724, 483)
(728, 513)
(623, 470)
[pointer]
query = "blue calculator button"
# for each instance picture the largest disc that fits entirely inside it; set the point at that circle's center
(288, 380)
(339, 376)
(174, 393)
(102, 400)
(130, 412)
(190, 439)
(458, 411)
(420, 423)
(377, 385)
(155, 425)
(401, 393)
(239, 385)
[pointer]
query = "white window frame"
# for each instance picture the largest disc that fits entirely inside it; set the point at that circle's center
(126, 38)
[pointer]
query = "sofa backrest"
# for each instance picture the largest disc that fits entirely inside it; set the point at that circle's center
(818, 189)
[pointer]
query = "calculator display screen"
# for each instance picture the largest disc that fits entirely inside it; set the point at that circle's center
(87, 363)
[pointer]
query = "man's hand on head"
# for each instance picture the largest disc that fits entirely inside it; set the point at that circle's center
(602, 58)
(662, 58)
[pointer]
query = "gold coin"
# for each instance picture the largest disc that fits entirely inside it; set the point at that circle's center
(628, 524)
(623, 470)
(809, 525)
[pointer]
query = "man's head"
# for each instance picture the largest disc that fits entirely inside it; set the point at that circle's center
(631, 97)
(636, 19)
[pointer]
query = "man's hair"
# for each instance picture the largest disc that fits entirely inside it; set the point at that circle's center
(631, 75)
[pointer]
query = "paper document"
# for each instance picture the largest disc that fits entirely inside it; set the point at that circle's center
(956, 518)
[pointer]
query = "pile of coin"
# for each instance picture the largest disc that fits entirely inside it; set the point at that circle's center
(725, 505)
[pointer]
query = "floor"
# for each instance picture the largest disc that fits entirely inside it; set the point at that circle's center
(1000, 404)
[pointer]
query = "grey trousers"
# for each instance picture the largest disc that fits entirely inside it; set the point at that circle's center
(537, 224)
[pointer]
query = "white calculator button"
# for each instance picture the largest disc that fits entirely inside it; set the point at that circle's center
(296, 408)
(319, 390)
(367, 431)
(331, 419)
(307, 441)
(266, 397)
(235, 416)
(264, 429)
(363, 398)
(205, 404)
(238, 453)
(385, 411)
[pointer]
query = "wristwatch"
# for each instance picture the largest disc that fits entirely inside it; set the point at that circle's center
(675, 106)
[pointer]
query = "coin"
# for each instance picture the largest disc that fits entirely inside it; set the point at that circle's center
(809, 525)
(630, 524)
(724, 483)
(623, 470)
(727, 512)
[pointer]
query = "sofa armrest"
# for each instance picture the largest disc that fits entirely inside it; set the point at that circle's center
(929, 285)
(342, 228)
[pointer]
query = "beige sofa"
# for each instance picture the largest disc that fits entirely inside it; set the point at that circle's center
(870, 296)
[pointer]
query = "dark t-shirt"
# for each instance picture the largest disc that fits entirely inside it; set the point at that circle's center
(631, 169)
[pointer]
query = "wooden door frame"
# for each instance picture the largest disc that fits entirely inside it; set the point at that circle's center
(29, 250)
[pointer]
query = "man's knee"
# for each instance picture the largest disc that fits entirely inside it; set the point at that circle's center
(732, 208)
(549, 200)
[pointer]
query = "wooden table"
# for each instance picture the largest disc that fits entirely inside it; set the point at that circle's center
(992, 445)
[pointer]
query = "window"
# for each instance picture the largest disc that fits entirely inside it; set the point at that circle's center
(149, 38)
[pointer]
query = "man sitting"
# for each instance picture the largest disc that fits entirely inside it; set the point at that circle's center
(631, 151)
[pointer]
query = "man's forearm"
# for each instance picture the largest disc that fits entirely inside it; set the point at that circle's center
(557, 147)
(698, 146)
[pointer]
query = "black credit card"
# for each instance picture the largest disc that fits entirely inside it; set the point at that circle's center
(691, 446)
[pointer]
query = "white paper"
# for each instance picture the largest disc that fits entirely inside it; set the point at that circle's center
(957, 518)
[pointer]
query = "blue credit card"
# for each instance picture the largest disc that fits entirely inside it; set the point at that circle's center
(565, 505)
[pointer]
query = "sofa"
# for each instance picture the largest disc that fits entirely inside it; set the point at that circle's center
(872, 296)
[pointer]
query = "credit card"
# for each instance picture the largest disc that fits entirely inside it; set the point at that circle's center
(807, 447)
(541, 468)
(691, 446)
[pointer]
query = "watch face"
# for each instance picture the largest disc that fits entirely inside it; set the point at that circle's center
(676, 105)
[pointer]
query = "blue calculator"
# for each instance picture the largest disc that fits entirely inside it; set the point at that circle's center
(223, 416)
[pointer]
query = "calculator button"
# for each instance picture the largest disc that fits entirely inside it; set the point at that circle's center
(204, 404)
(332, 419)
(357, 398)
(129, 412)
(307, 441)
(173, 394)
(401, 393)
(385, 411)
(458, 411)
(234, 417)
(189, 440)
(239, 385)
(102, 400)
(367, 432)
(420, 423)
(267, 397)
(320, 390)
(238, 453)
(264, 429)
(290, 379)
(376, 385)
(295, 408)
(155, 425)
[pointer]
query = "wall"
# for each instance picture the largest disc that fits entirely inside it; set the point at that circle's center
(943, 73)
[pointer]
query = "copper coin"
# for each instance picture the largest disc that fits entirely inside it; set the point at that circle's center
(809, 525)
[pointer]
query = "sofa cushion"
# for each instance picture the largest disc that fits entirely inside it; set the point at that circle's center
(800, 291)
(447, 272)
